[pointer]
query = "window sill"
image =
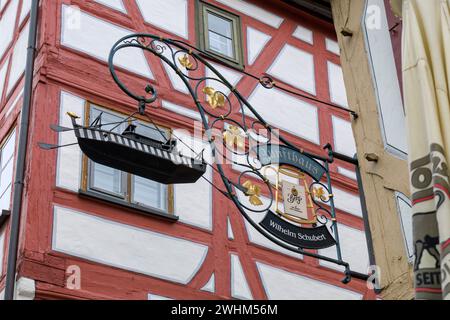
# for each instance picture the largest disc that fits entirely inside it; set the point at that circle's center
(153, 212)
(4, 215)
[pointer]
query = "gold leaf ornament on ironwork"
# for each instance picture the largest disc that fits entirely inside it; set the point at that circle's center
(319, 193)
(215, 98)
(186, 62)
(253, 192)
(234, 136)
(73, 115)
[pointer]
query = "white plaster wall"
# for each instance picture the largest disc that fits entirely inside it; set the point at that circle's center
(85, 33)
(280, 109)
(19, 58)
(338, 94)
(3, 75)
(256, 41)
(114, 4)
(175, 79)
(295, 67)
(353, 247)
(304, 34)
(193, 202)
(348, 202)
(193, 114)
(344, 141)
(348, 173)
(239, 285)
(2, 247)
(26, 7)
(25, 290)
(405, 212)
(170, 15)
(7, 23)
(157, 297)
(230, 230)
(332, 46)
(283, 285)
(392, 115)
(232, 77)
(68, 172)
(254, 11)
(210, 285)
(126, 247)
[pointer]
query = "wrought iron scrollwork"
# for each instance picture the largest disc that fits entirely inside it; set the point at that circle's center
(216, 107)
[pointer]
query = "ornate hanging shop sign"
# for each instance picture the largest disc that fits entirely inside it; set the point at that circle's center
(308, 238)
(283, 192)
(279, 154)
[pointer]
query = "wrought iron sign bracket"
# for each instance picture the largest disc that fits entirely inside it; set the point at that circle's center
(305, 224)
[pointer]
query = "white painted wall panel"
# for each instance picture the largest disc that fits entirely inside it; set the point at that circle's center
(283, 285)
(354, 250)
(338, 94)
(7, 24)
(239, 285)
(126, 247)
(170, 15)
(390, 103)
(115, 4)
(193, 202)
(254, 11)
(232, 77)
(346, 201)
(332, 46)
(405, 212)
(157, 297)
(348, 173)
(26, 7)
(210, 285)
(304, 34)
(175, 79)
(295, 67)
(3, 76)
(181, 110)
(286, 112)
(19, 58)
(256, 41)
(344, 141)
(68, 172)
(230, 230)
(2, 246)
(85, 33)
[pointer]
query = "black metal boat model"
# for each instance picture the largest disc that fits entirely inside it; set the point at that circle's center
(134, 153)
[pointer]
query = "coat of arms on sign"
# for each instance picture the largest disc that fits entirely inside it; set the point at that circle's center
(294, 198)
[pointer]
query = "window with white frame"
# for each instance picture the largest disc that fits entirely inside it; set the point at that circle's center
(220, 33)
(6, 170)
(405, 213)
(384, 73)
(121, 186)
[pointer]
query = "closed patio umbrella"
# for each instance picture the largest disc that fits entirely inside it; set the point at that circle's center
(426, 81)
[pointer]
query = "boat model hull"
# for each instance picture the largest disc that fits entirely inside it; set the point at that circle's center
(136, 157)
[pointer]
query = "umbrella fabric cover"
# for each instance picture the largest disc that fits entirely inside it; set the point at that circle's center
(426, 79)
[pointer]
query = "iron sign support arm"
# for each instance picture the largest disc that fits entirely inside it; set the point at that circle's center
(184, 57)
